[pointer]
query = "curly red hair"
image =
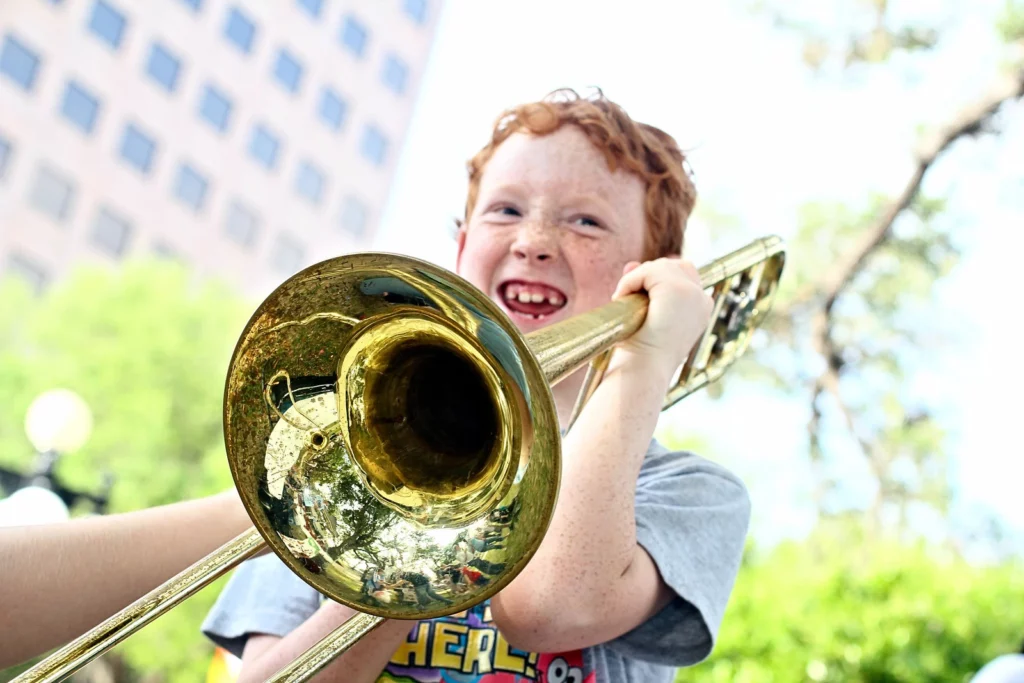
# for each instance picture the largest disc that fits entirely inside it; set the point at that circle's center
(649, 152)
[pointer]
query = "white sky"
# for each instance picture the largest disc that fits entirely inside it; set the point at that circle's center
(765, 137)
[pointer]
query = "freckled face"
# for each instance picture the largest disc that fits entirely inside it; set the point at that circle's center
(552, 228)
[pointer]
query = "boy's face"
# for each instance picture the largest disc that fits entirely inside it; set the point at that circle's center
(552, 228)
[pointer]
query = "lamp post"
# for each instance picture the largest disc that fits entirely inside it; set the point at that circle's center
(57, 423)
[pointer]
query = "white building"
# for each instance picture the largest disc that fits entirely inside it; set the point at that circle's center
(247, 138)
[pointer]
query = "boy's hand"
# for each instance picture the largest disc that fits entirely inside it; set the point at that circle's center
(678, 312)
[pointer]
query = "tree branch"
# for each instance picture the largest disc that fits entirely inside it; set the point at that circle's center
(970, 120)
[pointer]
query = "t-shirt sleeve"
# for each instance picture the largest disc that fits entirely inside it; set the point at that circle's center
(262, 596)
(692, 518)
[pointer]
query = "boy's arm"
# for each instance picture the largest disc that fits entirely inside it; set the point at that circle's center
(590, 580)
(60, 580)
(265, 654)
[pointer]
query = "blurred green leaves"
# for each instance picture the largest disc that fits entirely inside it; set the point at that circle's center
(147, 347)
(1011, 21)
(844, 609)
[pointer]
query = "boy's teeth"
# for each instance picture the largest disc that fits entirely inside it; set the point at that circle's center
(524, 297)
(537, 298)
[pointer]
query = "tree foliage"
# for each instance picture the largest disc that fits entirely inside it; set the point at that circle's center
(148, 350)
(846, 609)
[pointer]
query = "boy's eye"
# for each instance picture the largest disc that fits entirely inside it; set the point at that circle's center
(509, 211)
(587, 221)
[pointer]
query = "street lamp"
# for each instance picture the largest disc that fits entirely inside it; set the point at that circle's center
(57, 423)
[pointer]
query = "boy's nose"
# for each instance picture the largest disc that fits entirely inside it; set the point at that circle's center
(534, 243)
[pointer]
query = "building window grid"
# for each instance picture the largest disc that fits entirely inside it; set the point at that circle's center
(6, 153)
(310, 182)
(107, 23)
(395, 73)
(19, 63)
(374, 145)
(34, 274)
(416, 10)
(313, 7)
(215, 108)
(354, 36)
(264, 147)
(111, 232)
(80, 107)
(163, 67)
(333, 109)
(241, 224)
(191, 188)
(240, 30)
(287, 255)
(138, 149)
(288, 71)
(354, 216)
(52, 193)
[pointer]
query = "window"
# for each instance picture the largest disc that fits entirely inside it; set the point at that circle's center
(241, 224)
(52, 193)
(111, 232)
(353, 36)
(6, 152)
(107, 24)
(79, 107)
(314, 7)
(163, 67)
(332, 109)
(374, 146)
(264, 146)
(288, 71)
(394, 74)
(190, 187)
(309, 182)
(194, 5)
(353, 216)
(240, 30)
(287, 255)
(19, 63)
(215, 107)
(164, 251)
(137, 148)
(417, 10)
(29, 271)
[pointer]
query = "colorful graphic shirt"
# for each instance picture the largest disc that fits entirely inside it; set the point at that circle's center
(467, 648)
(691, 517)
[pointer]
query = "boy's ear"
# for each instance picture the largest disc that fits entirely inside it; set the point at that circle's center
(460, 242)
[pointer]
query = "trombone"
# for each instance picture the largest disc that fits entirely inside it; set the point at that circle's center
(384, 418)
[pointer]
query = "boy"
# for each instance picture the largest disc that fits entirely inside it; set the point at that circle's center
(571, 204)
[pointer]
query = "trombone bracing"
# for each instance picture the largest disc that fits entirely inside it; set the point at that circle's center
(386, 424)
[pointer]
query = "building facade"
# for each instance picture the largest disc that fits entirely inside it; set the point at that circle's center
(246, 138)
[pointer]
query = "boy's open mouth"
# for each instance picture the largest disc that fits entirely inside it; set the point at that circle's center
(531, 299)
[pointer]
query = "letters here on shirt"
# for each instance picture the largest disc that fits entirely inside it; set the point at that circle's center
(468, 648)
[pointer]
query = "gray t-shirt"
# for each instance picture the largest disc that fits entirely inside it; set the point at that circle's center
(692, 518)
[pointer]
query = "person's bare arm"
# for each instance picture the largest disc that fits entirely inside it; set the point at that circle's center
(590, 557)
(265, 654)
(57, 581)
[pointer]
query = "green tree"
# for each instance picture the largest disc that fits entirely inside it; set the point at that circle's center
(148, 348)
(857, 305)
(847, 609)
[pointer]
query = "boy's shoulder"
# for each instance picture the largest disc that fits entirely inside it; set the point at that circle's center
(663, 463)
